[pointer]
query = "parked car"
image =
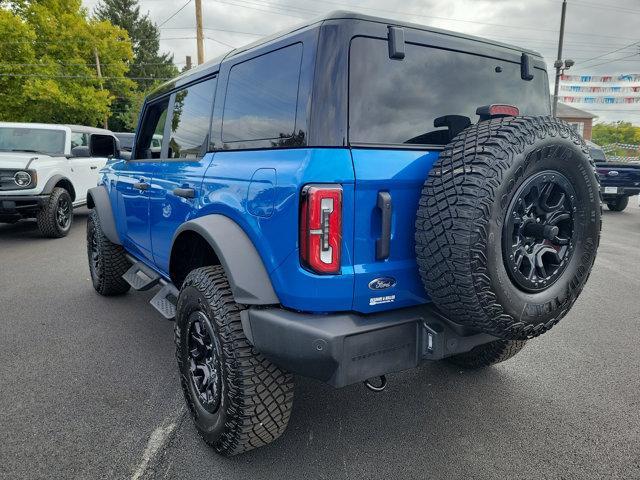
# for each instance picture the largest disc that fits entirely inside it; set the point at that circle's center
(343, 201)
(618, 181)
(46, 171)
(126, 140)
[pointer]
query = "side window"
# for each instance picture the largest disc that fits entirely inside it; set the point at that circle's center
(262, 97)
(190, 120)
(149, 138)
(79, 139)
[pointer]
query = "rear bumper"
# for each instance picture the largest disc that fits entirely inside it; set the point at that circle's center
(14, 207)
(622, 192)
(341, 349)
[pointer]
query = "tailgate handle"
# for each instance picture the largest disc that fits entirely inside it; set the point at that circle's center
(383, 244)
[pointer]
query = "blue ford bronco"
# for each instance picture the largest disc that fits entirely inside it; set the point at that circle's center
(342, 201)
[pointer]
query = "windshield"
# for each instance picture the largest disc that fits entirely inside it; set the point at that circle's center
(598, 154)
(126, 140)
(36, 140)
(398, 101)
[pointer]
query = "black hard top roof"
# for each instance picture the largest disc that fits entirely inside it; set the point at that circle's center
(337, 15)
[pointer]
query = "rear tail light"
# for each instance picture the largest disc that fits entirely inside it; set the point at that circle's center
(321, 228)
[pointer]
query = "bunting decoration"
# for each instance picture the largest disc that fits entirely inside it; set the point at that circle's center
(591, 89)
(628, 77)
(625, 146)
(606, 100)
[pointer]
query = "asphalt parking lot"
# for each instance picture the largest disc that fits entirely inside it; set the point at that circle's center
(89, 389)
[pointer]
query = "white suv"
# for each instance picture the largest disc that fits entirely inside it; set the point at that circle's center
(46, 170)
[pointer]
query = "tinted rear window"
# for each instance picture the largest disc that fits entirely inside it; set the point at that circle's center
(262, 97)
(396, 101)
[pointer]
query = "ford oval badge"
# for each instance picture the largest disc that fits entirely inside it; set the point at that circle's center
(382, 283)
(613, 173)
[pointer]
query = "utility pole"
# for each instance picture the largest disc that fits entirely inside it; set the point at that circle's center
(188, 62)
(99, 71)
(199, 33)
(558, 63)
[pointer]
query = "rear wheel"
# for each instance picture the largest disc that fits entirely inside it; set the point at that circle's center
(56, 216)
(237, 398)
(619, 204)
(508, 226)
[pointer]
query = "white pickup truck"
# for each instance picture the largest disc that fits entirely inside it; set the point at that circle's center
(46, 170)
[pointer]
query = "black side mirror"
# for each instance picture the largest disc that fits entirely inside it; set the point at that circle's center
(80, 151)
(103, 146)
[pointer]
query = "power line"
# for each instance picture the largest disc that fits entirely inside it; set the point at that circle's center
(613, 51)
(253, 34)
(57, 64)
(80, 76)
(221, 42)
(611, 61)
(415, 14)
(258, 9)
(174, 13)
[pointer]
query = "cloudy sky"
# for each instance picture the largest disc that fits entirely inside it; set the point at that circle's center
(600, 34)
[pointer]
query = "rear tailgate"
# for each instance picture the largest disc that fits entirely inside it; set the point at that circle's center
(394, 107)
(401, 174)
(618, 175)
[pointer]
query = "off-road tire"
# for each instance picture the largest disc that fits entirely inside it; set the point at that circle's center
(618, 205)
(110, 261)
(256, 396)
(47, 215)
(460, 218)
(488, 354)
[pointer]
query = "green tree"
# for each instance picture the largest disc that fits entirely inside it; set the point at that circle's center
(149, 66)
(616, 132)
(47, 63)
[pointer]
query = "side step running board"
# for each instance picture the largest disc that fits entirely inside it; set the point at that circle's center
(165, 301)
(141, 277)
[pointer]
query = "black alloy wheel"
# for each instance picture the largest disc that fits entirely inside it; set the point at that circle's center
(204, 362)
(94, 253)
(538, 231)
(63, 212)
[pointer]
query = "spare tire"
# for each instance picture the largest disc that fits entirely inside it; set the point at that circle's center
(508, 225)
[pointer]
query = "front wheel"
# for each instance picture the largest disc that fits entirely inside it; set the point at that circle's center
(107, 261)
(618, 204)
(237, 398)
(56, 216)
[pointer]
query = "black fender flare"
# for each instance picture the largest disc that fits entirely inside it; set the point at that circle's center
(98, 199)
(246, 273)
(53, 181)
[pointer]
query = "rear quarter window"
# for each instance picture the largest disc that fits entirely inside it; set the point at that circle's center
(395, 101)
(262, 97)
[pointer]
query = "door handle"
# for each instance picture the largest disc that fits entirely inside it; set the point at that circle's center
(383, 244)
(184, 192)
(141, 186)
(93, 167)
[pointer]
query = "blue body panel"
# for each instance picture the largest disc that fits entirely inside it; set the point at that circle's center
(260, 191)
(168, 211)
(401, 173)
